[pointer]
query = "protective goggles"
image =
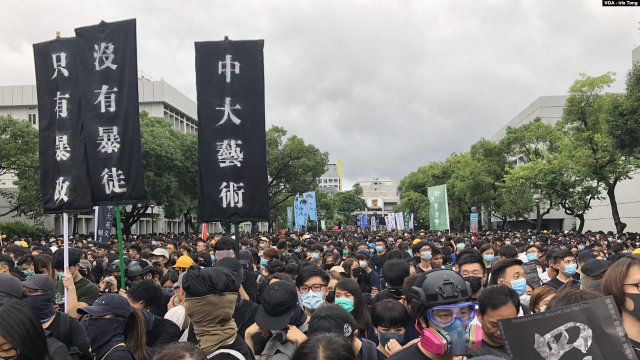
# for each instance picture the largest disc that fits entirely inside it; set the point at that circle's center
(445, 315)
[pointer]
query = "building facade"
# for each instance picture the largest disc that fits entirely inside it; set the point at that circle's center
(380, 195)
(331, 180)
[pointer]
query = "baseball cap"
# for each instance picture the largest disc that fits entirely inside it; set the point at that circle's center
(279, 301)
(585, 255)
(363, 251)
(332, 319)
(230, 263)
(11, 286)
(39, 282)
(595, 267)
(108, 304)
(246, 259)
(160, 252)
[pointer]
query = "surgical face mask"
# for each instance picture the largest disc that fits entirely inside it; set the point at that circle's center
(168, 291)
(543, 308)
(532, 256)
(346, 304)
(460, 246)
(345, 252)
(519, 286)
(363, 264)
(507, 242)
(312, 300)
(154, 243)
(580, 247)
(610, 239)
(385, 337)
(425, 255)
(315, 256)
(379, 248)
(297, 251)
(410, 253)
(488, 258)
(60, 275)
(28, 272)
(213, 258)
(262, 246)
(570, 269)
(263, 262)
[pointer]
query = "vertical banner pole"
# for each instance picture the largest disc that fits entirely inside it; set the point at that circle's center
(237, 225)
(95, 223)
(65, 251)
(120, 251)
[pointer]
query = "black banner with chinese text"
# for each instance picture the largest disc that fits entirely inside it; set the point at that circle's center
(104, 223)
(110, 113)
(232, 166)
(64, 176)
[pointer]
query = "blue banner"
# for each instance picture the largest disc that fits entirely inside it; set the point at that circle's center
(473, 223)
(300, 211)
(310, 197)
(363, 220)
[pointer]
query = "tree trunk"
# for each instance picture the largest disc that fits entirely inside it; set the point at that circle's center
(580, 223)
(620, 226)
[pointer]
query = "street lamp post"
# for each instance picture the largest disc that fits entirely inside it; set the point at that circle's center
(536, 199)
(152, 207)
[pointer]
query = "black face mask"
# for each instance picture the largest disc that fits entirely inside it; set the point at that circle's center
(41, 306)
(105, 333)
(475, 282)
(331, 297)
(636, 305)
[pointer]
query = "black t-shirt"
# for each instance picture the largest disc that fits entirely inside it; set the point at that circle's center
(250, 285)
(370, 347)
(245, 316)
(413, 352)
(160, 332)
(488, 349)
(555, 283)
(70, 332)
(378, 261)
(238, 345)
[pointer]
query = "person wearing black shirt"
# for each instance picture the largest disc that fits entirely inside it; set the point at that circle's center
(565, 263)
(495, 303)
(436, 296)
(380, 256)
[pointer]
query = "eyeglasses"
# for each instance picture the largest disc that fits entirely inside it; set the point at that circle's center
(316, 287)
(636, 285)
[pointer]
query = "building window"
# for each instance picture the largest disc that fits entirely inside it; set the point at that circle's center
(33, 119)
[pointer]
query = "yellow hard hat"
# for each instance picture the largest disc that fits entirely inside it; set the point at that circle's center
(636, 251)
(4, 236)
(416, 241)
(23, 243)
(184, 262)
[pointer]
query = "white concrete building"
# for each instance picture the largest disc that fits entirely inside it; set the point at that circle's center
(331, 180)
(380, 195)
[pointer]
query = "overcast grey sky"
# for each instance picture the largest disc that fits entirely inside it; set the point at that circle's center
(384, 86)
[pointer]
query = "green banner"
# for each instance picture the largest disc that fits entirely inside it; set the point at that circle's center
(289, 217)
(438, 208)
(323, 225)
(407, 220)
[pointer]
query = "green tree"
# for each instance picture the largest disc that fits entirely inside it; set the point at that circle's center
(585, 123)
(416, 203)
(19, 156)
(624, 116)
(170, 165)
(349, 202)
(293, 168)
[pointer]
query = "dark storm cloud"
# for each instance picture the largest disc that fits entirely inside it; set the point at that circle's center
(385, 86)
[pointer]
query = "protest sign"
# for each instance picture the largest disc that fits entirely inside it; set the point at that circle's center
(587, 330)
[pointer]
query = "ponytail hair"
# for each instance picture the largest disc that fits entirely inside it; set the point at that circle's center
(136, 336)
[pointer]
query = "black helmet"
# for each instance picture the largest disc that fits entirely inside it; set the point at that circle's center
(140, 267)
(114, 266)
(438, 287)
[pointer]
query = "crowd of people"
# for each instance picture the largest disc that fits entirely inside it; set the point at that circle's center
(331, 295)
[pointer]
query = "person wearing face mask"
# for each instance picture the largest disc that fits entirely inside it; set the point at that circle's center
(471, 267)
(159, 258)
(280, 315)
(178, 314)
(540, 298)
(316, 254)
(441, 304)
(389, 318)
(496, 303)
(364, 257)
(312, 288)
(381, 255)
(423, 251)
(81, 292)
(329, 261)
(109, 318)
(30, 342)
(395, 272)
(622, 281)
(40, 290)
(488, 256)
(510, 272)
(565, 263)
(349, 297)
